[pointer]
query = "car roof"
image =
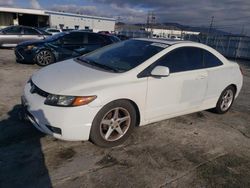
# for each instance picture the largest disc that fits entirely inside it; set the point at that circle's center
(165, 41)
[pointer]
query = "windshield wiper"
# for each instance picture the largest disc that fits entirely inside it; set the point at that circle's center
(91, 62)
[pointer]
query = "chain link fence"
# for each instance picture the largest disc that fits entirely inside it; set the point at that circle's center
(230, 46)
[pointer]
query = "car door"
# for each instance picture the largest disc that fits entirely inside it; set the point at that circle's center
(30, 34)
(216, 82)
(71, 45)
(11, 36)
(183, 90)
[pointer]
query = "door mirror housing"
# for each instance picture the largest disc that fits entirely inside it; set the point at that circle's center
(160, 71)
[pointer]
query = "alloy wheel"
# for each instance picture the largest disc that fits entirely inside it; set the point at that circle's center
(227, 100)
(45, 57)
(115, 124)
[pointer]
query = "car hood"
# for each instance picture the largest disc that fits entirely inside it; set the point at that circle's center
(72, 78)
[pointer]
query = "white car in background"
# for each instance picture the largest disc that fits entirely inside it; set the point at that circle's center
(53, 31)
(103, 95)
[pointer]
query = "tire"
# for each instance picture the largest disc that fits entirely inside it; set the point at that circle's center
(113, 124)
(44, 58)
(225, 101)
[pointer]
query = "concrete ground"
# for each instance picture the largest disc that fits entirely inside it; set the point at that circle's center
(197, 150)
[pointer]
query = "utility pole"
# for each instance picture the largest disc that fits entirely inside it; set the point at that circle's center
(211, 24)
(147, 24)
(152, 21)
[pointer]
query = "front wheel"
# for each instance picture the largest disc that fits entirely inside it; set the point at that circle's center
(225, 101)
(45, 57)
(113, 124)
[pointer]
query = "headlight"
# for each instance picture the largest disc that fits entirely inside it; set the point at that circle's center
(60, 100)
(30, 47)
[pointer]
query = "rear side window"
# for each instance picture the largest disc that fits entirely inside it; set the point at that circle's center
(13, 31)
(53, 30)
(73, 38)
(114, 39)
(95, 39)
(29, 31)
(183, 59)
(210, 60)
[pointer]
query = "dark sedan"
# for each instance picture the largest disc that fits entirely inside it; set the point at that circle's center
(11, 36)
(61, 46)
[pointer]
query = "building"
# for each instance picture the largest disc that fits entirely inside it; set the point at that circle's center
(46, 18)
(156, 31)
(169, 33)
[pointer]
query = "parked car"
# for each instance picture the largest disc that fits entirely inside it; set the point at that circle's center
(67, 30)
(60, 47)
(122, 37)
(13, 35)
(53, 31)
(176, 37)
(104, 95)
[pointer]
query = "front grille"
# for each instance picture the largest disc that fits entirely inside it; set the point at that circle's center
(18, 54)
(37, 90)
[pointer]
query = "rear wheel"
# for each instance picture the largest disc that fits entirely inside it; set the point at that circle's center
(225, 101)
(113, 124)
(45, 57)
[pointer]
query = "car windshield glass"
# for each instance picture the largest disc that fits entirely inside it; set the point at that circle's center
(43, 32)
(123, 56)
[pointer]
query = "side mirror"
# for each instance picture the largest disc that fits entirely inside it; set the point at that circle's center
(160, 71)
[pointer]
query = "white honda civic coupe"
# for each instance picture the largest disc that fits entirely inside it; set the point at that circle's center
(104, 95)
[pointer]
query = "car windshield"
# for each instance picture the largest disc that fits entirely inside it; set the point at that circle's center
(123, 56)
(43, 32)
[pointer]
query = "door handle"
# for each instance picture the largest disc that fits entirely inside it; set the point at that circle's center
(199, 77)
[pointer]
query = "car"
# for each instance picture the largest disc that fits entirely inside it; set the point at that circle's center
(122, 37)
(67, 30)
(175, 37)
(102, 96)
(61, 46)
(53, 31)
(13, 35)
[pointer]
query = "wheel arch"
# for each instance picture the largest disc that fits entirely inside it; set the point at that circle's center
(138, 113)
(234, 86)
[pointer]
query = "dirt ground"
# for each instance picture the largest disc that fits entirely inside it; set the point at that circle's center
(197, 150)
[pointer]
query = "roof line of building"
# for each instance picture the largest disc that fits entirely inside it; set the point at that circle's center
(48, 12)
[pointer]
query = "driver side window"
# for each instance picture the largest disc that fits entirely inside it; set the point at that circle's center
(182, 59)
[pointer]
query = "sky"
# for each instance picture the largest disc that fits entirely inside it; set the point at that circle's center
(229, 15)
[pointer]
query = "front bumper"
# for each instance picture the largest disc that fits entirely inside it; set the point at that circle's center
(66, 123)
(24, 56)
